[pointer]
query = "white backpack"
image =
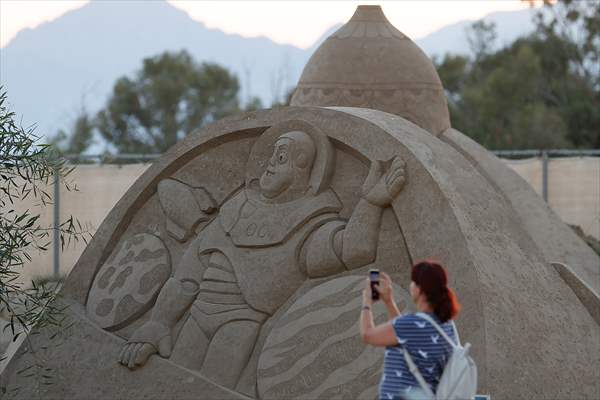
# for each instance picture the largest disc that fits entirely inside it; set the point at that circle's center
(459, 379)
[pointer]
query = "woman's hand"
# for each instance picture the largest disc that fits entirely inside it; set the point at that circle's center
(385, 288)
(367, 294)
(380, 335)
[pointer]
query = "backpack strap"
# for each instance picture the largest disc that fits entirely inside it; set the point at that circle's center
(417, 374)
(455, 333)
(440, 330)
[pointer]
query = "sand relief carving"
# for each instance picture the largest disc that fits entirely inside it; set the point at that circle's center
(255, 250)
(313, 350)
(129, 281)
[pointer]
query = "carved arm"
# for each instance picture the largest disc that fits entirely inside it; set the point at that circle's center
(173, 300)
(357, 243)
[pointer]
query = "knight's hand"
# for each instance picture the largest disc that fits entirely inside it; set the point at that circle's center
(148, 339)
(388, 184)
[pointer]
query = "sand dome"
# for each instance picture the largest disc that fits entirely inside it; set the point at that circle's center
(369, 63)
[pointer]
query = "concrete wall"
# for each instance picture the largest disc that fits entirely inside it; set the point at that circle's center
(573, 192)
(573, 188)
(99, 188)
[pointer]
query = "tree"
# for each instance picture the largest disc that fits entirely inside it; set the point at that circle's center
(80, 138)
(577, 24)
(286, 100)
(253, 104)
(573, 29)
(454, 72)
(481, 36)
(529, 94)
(26, 170)
(167, 99)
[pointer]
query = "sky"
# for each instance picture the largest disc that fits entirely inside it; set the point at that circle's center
(291, 22)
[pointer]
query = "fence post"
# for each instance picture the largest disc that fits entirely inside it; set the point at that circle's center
(56, 225)
(545, 175)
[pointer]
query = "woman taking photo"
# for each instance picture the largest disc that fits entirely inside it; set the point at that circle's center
(428, 350)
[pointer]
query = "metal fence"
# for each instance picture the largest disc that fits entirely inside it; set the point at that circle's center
(545, 155)
(135, 164)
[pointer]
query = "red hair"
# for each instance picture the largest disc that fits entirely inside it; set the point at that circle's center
(432, 279)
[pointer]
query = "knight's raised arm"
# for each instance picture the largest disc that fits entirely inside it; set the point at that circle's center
(357, 243)
(338, 244)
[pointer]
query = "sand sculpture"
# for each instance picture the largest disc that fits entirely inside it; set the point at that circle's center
(369, 63)
(265, 240)
(233, 267)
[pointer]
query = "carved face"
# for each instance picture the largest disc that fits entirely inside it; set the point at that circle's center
(279, 174)
(290, 165)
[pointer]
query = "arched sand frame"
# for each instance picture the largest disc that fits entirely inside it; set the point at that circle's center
(531, 336)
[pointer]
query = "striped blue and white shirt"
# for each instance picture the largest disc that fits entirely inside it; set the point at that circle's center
(428, 349)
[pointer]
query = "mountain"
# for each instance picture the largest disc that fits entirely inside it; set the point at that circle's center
(452, 38)
(51, 71)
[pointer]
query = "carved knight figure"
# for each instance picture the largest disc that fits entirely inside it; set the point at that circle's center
(263, 242)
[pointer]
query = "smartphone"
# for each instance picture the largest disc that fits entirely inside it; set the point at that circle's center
(374, 277)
